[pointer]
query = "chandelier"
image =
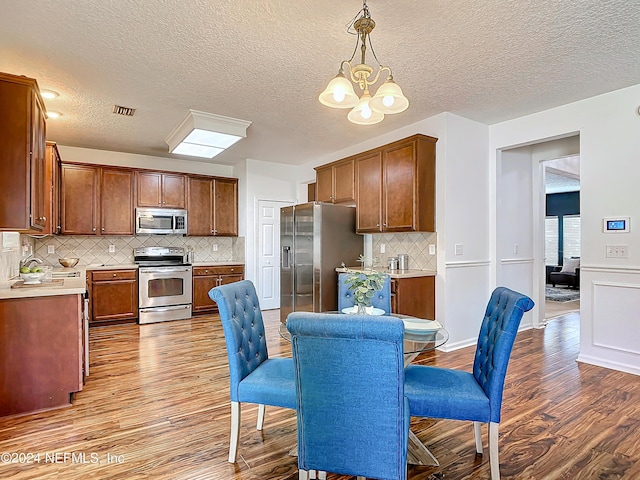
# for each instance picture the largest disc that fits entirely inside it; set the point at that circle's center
(366, 110)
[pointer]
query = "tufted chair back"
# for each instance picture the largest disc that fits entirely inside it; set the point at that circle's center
(381, 299)
(495, 341)
(243, 330)
(353, 417)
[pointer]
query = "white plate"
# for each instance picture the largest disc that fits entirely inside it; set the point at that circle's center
(370, 310)
(418, 324)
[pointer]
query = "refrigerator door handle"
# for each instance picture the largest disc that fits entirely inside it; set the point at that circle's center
(286, 257)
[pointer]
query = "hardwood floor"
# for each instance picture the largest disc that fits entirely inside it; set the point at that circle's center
(157, 406)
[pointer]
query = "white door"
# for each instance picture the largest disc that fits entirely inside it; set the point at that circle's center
(268, 284)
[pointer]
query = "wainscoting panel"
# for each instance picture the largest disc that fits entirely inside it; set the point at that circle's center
(616, 309)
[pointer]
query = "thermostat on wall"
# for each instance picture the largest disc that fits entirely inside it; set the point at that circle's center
(616, 225)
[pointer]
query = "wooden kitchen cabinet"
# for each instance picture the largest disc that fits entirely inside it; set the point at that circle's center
(116, 201)
(415, 296)
(96, 200)
(395, 187)
(157, 189)
(79, 199)
(335, 182)
(213, 206)
(206, 278)
(52, 180)
(23, 188)
(113, 296)
(41, 352)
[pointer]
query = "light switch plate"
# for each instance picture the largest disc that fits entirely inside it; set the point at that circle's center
(432, 249)
(51, 249)
(214, 247)
(458, 248)
(112, 248)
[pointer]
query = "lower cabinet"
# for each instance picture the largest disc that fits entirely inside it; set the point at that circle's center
(41, 353)
(206, 278)
(113, 296)
(415, 296)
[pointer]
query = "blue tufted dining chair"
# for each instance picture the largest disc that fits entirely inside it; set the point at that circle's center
(381, 298)
(253, 376)
(457, 395)
(353, 416)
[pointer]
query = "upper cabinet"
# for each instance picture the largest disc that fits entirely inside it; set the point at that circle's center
(395, 187)
(157, 189)
(52, 181)
(213, 206)
(23, 188)
(96, 200)
(335, 182)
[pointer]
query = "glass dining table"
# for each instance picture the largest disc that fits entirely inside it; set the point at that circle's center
(420, 335)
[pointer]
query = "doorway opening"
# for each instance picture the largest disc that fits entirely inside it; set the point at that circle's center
(562, 235)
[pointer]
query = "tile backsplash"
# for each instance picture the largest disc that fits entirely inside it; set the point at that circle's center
(10, 259)
(416, 245)
(92, 250)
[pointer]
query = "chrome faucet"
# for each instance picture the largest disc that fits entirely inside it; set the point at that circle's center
(26, 262)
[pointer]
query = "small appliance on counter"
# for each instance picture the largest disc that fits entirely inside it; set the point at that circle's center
(164, 284)
(403, 261)
(392, 263)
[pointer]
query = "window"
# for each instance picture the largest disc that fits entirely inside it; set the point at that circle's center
(551, 240)
(571, 236)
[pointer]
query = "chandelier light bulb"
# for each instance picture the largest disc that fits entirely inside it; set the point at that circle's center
(388, 100)
(339, 93)
(362, 114)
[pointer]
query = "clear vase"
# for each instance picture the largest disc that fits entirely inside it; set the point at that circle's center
(361, 310)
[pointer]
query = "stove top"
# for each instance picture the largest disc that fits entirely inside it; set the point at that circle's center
(159, 256)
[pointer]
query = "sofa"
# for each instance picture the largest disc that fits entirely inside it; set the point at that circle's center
(567, 274)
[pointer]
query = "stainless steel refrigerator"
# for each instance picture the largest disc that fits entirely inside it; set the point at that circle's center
(315, 238)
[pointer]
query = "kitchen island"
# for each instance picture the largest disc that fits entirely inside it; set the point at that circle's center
(42, 346)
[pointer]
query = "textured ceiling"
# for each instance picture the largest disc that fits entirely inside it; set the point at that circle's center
(266, 61)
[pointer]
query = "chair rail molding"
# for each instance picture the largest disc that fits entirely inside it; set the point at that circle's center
(516, 261)
(468, 263)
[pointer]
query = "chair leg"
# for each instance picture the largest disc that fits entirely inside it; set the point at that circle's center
(493, 451)
(261, 409)
(303, 475)
(235, 431)
(322, 475)
(477, 433)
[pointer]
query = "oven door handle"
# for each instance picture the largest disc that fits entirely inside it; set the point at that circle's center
(155, 270)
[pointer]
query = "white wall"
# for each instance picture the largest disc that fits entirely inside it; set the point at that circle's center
(263, 181)
(609, 128)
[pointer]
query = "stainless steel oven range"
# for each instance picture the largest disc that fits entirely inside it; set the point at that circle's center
(165, 283)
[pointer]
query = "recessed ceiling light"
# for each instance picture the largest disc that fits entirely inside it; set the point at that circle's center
(51, 114)
(48, 94)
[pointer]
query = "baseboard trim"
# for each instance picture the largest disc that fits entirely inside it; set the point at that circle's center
(599, 362)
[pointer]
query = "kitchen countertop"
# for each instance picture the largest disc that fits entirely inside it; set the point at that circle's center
(102, 266)
(71, 286)
(411, 273)
(215, 264)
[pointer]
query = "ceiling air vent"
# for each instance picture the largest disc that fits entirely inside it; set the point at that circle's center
(126, 111)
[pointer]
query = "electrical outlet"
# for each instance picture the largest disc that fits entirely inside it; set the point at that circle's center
(432, 249)
(458, 248)
(214, 247)
(383, 248)
(51, 249)
(112, 249)
(516, 249)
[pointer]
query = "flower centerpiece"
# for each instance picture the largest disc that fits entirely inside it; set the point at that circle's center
(363, 283)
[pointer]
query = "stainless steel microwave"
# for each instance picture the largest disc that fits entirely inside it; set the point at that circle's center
(161, 221)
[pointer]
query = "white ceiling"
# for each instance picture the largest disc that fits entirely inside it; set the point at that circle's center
(266, 61)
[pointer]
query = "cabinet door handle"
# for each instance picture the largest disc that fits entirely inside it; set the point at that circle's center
(103, 229)
(94, 229)
(115, 274)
